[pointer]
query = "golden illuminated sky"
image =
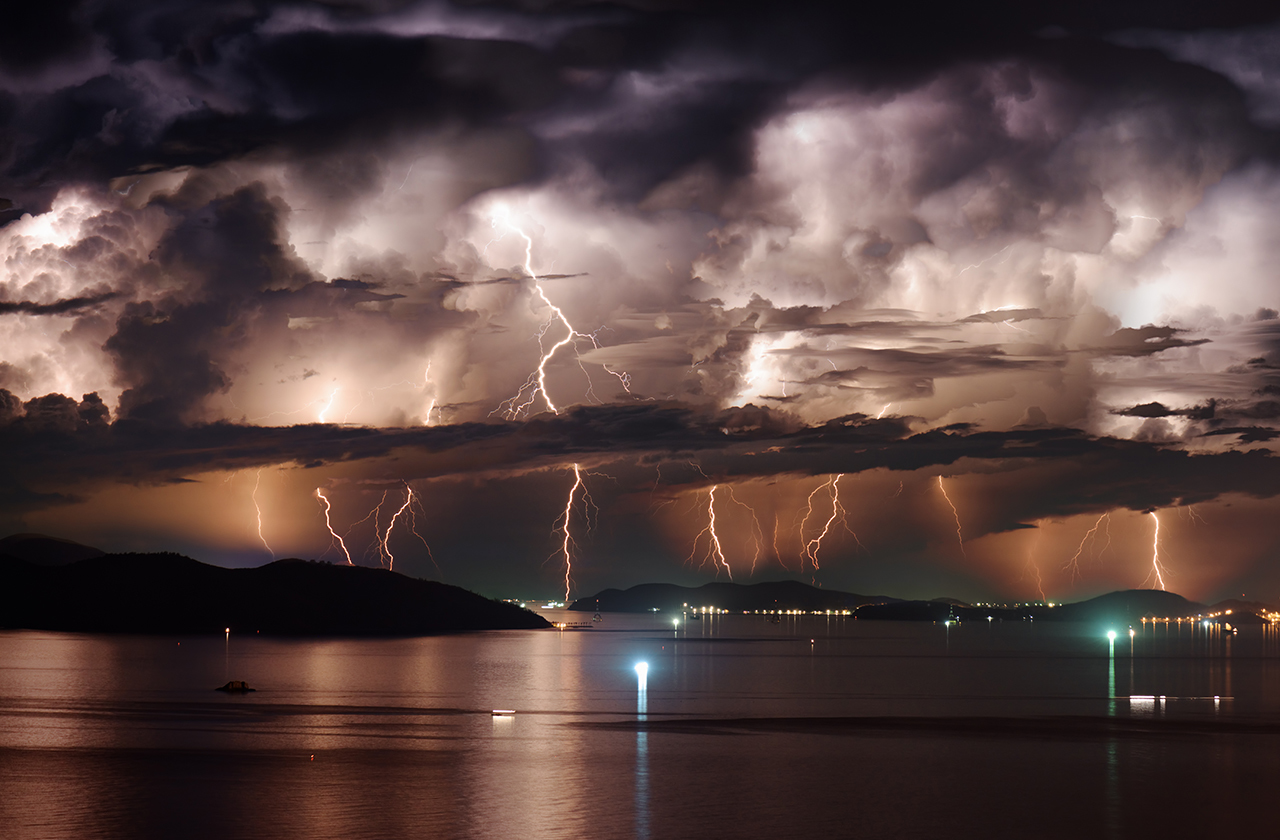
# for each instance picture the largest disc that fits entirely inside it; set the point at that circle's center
(967, 304)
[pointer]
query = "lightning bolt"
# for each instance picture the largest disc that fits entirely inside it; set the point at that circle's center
(258, 508)
(1031, 559)
(777, 554)
(536, 384)
(887, 406)
(386, 536)
(328, 406)
(431, 404)
(757, 533)
(715, 552)
(328, 524)
(810, 548)
(1074, 563)
(376, 516)
(956, 513)
(1157, 568)
(414, 510)
(568, 544)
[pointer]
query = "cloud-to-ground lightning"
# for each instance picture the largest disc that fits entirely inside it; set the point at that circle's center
(1074, 563)
(956, 513)
(431, 402)
(811, 547)
(376, 516)
(329, 524)
(568, 544)
(1156, 575)
(386, 537)
(258, 480)
(1032, 564)
(757, 533)
(384, 549)
(715, 552)
(536, 384)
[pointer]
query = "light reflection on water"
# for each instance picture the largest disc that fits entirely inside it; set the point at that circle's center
(739, 728)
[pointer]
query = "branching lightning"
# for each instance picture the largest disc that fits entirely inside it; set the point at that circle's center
(327, 406)
(258, 480)
(810, 548)
(376, 516)
(520, 404)
(757, 533)
(329, 524)
(715, 552)
(568, 544)
(1074, 563)
(956, 513)
(386, 536)
(1156, 575)
(384, 544)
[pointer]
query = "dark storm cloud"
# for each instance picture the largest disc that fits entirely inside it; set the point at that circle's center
(58, 307)
(96, 90)
(1155, 409)
(1144, 341)
(54, 441)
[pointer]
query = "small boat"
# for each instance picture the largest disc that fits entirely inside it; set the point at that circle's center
(235, 687)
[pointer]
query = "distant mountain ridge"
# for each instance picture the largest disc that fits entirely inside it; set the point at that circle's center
(1123, 607)
(46, 551)
(668, 597)
(171, 593)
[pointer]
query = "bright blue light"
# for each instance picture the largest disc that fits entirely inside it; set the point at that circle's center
(642, 669)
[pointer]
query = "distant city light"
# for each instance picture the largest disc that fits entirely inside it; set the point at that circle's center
(1111, 634)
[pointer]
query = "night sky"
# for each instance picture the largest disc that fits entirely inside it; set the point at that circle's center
(988, 295)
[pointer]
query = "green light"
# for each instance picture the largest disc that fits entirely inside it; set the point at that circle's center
(1111, 634)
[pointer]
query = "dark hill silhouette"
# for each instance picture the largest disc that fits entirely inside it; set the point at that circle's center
(1119, 608)
(46, 551)
(778, 595)
(1128, 606)
(170, 593)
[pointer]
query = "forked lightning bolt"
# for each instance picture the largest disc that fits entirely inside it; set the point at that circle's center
(810, 548)
(386, 537)
(715, 552)
(956, 513)
(409, 500)
(1156, 575)
(258, 508)
(757, 533)
(536, 384)
(1074, 563)
(329, 524)
(568, 544)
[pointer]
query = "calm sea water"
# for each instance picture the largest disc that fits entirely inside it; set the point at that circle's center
(815, 726)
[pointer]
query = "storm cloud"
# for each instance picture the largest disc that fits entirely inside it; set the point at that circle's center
(1027, 253)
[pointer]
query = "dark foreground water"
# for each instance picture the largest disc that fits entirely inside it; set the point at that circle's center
(815, 726)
